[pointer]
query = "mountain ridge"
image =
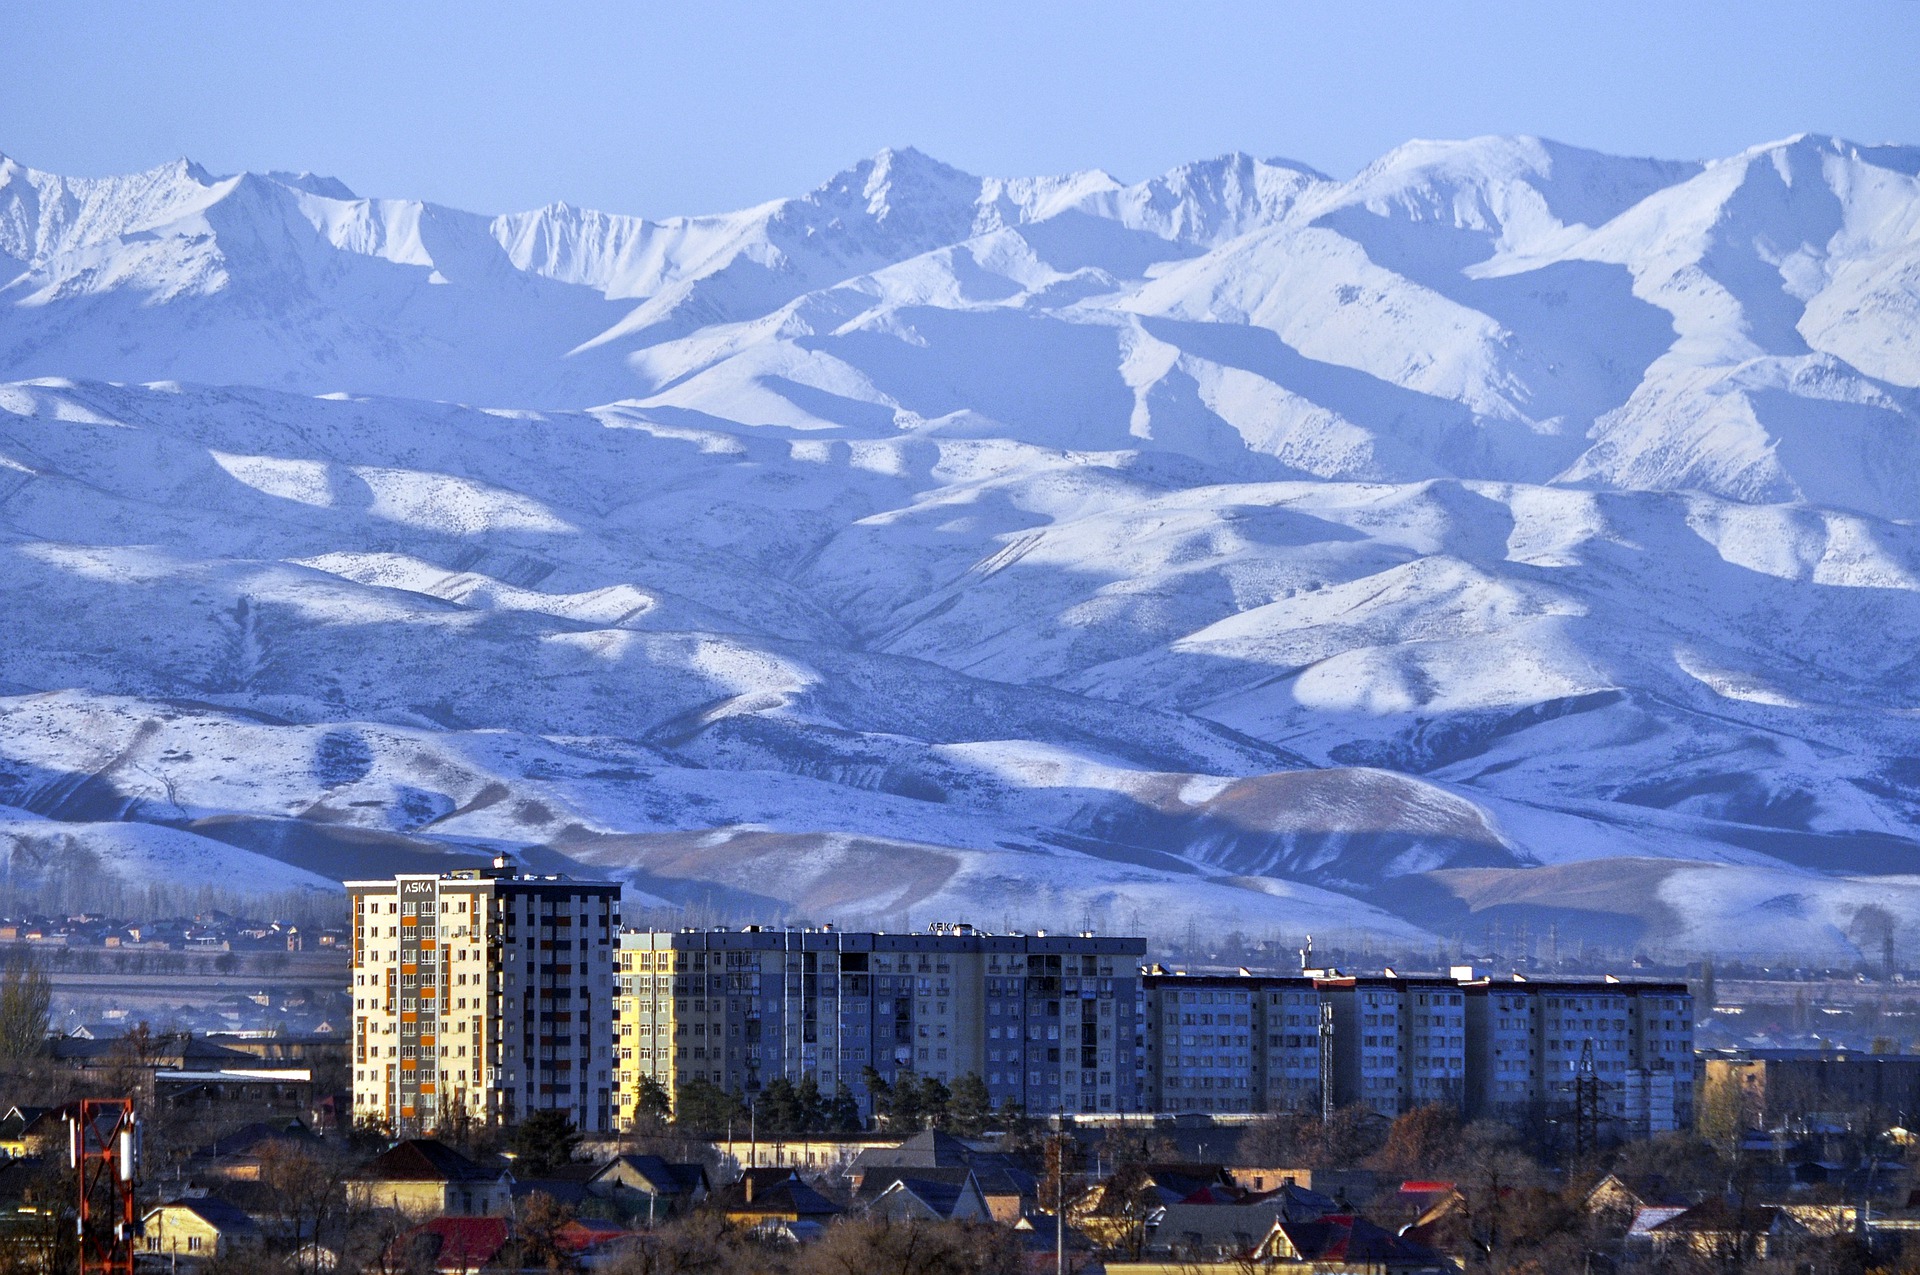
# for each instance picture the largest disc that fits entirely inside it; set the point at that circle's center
(1242, 542)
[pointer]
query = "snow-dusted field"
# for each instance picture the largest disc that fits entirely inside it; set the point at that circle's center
(1509, 528)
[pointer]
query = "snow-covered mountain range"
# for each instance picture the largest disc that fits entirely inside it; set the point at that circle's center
(1509, 532)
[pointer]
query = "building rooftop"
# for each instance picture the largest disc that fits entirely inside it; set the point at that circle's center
(424, 1160)
(456, 1243)
(503, 869)
(666, 1176)
(925, 1150)
(217, 1213)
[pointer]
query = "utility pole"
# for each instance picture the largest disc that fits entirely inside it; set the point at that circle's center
(1057, 1178)
(1586, 1103)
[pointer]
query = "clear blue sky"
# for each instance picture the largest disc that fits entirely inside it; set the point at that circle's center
(709, 105)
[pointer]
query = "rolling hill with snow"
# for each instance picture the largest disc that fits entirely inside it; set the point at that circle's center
(1510, 534)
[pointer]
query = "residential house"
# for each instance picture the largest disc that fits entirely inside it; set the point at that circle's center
(1038, 1234)
(912, 1197)
(203, 1229)
(1212, 1223)
(595, 1241)
(421, 1177)
(1639, 1236)
(1008, 1188)
(565, 1184)
(257, 1199)
(33, 1131)
(240, 1154)
(451, 1245)
(1116, 1211)
(649, 1186)
(1625, 1196)
(1251, 1177)
(1205, 1231)
(1720, 1231)
(1010, 1192)
(929, 1149)
(1167, 1184)
(773, 1195)
(1346, 1242)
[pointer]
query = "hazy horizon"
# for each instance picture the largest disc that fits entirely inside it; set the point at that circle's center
(659, 111)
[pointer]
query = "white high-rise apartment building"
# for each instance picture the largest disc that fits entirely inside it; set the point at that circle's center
(484, 994)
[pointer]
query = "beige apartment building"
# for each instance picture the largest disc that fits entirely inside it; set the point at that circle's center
(482, 994)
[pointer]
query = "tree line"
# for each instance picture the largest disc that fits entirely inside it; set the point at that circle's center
(908, 1103)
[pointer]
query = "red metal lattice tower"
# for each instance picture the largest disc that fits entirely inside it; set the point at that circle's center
(103, 1149)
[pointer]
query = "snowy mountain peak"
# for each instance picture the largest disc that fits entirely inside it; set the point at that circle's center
(1211, 201)
(900, 185)
(1522, 187)
(315, 184)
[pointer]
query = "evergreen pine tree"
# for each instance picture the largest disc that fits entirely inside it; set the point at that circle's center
(843, 1113)
(700, 1106)
(654, 1106)
(970, 1108)
(935, 1098)
(810, 1107)
(778, 1110)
